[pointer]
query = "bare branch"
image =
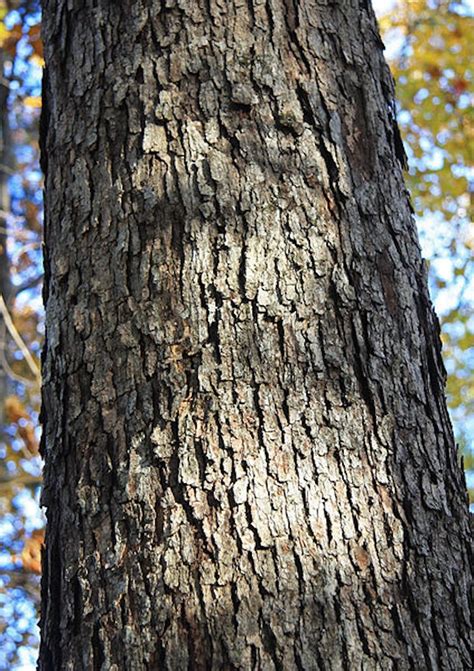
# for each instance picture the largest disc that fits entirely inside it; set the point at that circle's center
(28, 284)
(19, 340)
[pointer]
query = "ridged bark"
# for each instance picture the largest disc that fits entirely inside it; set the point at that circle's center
(249, 462)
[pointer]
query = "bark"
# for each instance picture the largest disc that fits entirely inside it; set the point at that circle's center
(249, 462)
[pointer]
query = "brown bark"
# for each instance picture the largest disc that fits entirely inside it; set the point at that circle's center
(249, 463)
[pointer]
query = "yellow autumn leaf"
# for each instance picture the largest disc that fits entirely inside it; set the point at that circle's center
(4, 32)
(10, 37)
(37, 60)
(32, 101)
(14, 409)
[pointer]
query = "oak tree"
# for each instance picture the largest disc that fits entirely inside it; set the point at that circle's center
(249, 462)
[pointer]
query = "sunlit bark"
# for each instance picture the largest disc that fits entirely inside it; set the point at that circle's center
(249, 464)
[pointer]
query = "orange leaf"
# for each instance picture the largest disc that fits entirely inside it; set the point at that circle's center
(34, 38)
(31, 212)
(459, 85)
(27, 433)
(24, 261)
(31, 553)
(14, 409)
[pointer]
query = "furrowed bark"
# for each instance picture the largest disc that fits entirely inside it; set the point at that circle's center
(249, 462)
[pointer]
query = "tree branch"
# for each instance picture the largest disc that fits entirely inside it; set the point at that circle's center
(18, 340)
(27, 284)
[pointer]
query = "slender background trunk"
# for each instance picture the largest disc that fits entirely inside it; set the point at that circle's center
(5, 280)
(249, 463)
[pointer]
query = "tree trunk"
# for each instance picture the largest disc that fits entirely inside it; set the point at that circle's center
(249, 463)
(5, 280)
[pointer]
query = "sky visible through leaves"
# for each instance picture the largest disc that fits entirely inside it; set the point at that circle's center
(429, 47)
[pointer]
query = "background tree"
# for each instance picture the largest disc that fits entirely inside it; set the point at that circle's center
(249, 462)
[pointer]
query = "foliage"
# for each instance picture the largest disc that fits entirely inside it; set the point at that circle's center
(434, 75)
(21, 320)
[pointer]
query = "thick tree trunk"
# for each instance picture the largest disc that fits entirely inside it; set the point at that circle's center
(249, 463)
